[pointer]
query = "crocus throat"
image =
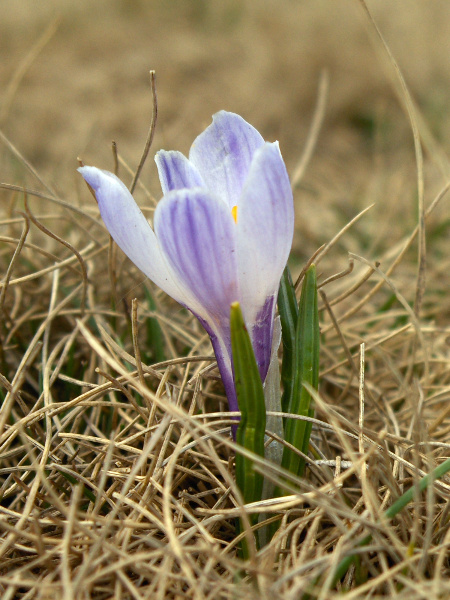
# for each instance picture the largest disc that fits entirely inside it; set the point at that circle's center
(234, 213)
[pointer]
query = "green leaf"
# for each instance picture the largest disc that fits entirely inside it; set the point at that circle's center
(155, 339)
(306, 357)
(250, 396)
(288, 310)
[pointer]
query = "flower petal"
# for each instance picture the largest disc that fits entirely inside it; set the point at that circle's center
(176, 172)
(221, 343)
(223, 154)
(197, 235)
(260, 325)
(265, 228)
(130, 229)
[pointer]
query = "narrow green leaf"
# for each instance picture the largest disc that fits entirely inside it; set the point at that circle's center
(250, 395)
(305, 369)
(306, 356)
(155, 339)
(288, 310)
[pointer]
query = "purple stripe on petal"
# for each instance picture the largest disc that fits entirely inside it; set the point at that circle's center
(261, 334)
(223, 154)
(176, 172)
(222, 349)
(227, 375)
(223, 362)
(265, 229)
(131, 230)
(197, 235)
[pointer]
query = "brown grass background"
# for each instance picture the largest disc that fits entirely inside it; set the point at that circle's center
(74, 77)
(89, 85)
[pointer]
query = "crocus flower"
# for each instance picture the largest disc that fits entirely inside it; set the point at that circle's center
(221, 233)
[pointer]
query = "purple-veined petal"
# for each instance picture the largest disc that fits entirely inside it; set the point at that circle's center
(224, 362)
(261, 333)
(197, 235)
(221, 343)
(176, 172)
(223, 154)
(265, 228)
(131, 230)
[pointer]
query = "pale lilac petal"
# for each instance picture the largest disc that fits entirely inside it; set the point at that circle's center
(176, 172)
(261, 332)
(223, 154)
(197, 235)
(131, 230)
(265, 227)
(221, 343)
(224, 363)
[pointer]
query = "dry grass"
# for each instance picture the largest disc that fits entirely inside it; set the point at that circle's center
(116, 459)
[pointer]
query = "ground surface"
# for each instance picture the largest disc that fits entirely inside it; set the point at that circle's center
(74, 77)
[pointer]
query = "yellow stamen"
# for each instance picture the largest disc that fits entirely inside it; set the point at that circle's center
(234, 213)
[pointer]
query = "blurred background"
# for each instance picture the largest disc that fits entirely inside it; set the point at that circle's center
(74, 77)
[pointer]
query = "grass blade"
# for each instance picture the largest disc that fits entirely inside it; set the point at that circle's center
(155, 339)
(288, 309)
(250, 395)
(306, 354)
(389, 514)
